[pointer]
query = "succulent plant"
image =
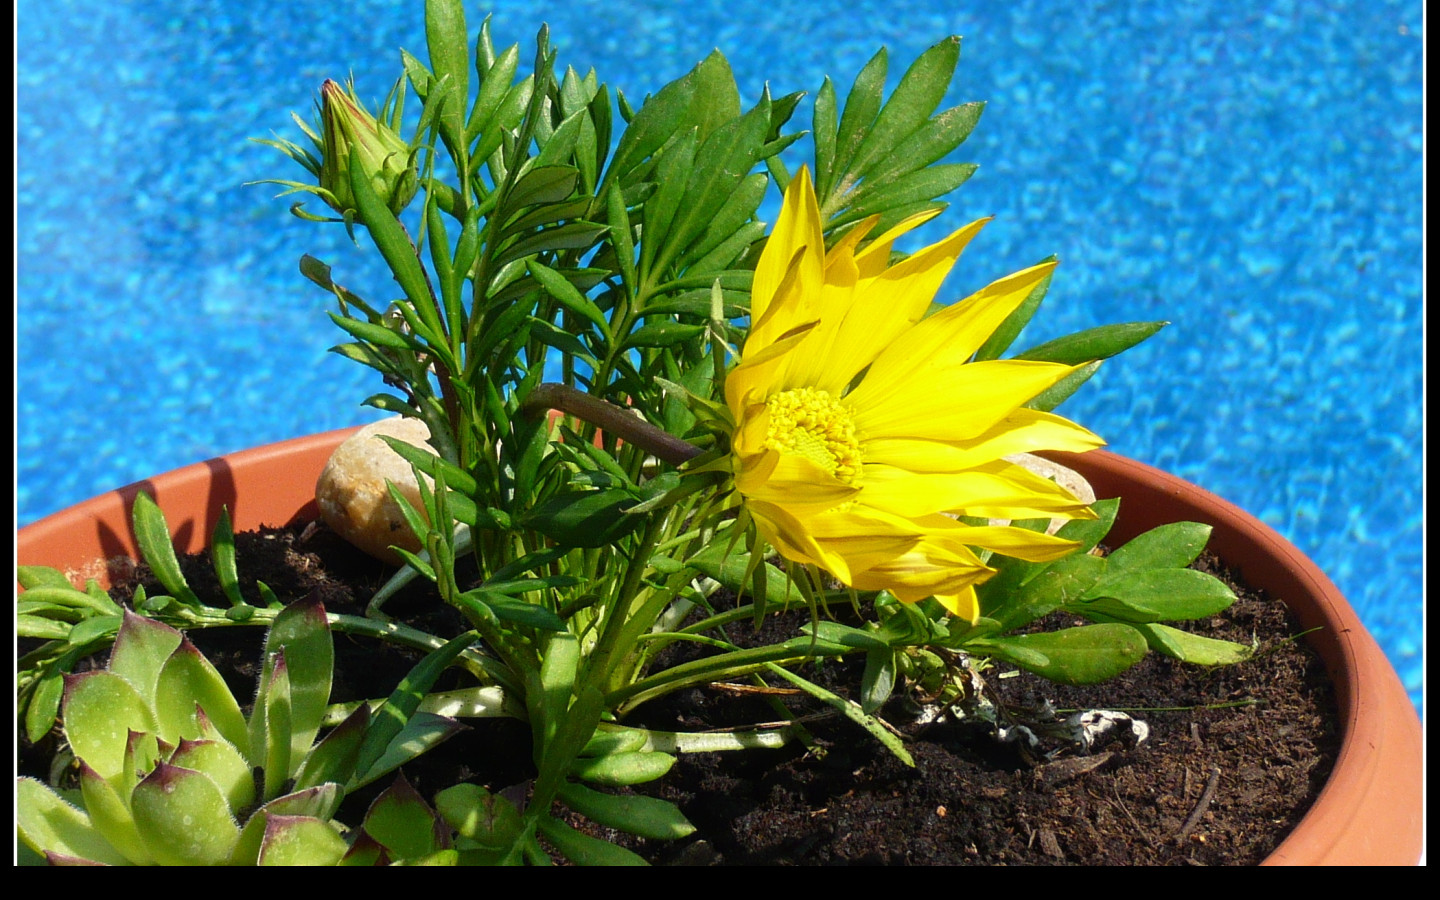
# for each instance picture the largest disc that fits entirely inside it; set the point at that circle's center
(172, 773)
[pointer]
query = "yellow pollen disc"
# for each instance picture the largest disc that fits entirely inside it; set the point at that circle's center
(812, 424)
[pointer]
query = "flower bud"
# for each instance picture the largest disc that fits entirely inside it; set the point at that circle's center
(385, 158)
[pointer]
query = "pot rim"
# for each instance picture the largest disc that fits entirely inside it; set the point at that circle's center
(1369, 812)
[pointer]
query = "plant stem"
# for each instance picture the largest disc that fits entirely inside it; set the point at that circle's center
(611, 419)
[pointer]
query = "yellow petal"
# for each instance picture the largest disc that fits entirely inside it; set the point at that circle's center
(935, 565)
(951, 336)
(1023, 431)
(947, 400)
(964, 605)
(795, 483)
(797, 228)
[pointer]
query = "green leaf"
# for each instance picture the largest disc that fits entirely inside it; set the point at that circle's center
(1061, 390)
(662, 334)
(518, 611)
(564, 292)
(47, 824)
(420, 734)
(823, 125)
(915, 98)
(110, 815)
(861, 106)
(649, 817)
(674, 165)
(1192, 648)
(153, 536)
(618, 769)
(703, 98)
(223, 764)
(1001, 338)
(931, 141)
(1154, 595)
(141, 648)
(100, 710)
(851, 710)
(584, 850)
(480, 816)
(299, 841)
(44, 705)
(319, 802)
(41, 576)
(401, 705)
(837, 633)
(183, 818)
(188, 679)
(570, 236)
(222, 551)
(542, 185)
(1172, 546)
(878, 681)
(450, 58)
(394, 245)
(1085, 655)
(1094, 343)
(270, 725)
(378, 335)
(917, 187)
(1056, 584)
(585, 518)
(302, 632)
(334, 758)
(732, 569)
(403, 822)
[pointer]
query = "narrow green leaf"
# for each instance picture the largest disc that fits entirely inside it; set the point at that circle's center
(1059, 392)
(153, 536)
(222, 552)
(649, 817)
(1094, 343)
(823, 129)
(392, 242)
(862, 104)
(915, 98)
(584, 850)
(450, 59)
(851, 710)
(401, 705)
(619, 769)
(662, 334)
(557, 286)
(1001, 338)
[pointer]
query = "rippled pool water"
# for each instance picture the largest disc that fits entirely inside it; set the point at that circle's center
(1252, 175)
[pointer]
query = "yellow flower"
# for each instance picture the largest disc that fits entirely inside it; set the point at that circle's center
(862, 429)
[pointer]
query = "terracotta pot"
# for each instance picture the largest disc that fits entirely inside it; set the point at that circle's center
(1368, 813)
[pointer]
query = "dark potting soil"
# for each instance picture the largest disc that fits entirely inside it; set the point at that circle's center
(1234, 758)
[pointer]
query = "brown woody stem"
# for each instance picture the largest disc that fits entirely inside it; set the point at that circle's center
(612, 420)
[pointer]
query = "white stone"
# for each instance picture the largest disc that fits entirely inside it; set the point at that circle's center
(352, 494)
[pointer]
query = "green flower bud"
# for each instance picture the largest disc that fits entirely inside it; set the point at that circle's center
(385, 157)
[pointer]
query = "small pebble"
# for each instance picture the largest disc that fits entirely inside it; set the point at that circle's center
(352, 495)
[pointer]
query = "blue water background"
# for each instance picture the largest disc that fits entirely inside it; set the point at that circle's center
(1251, 172)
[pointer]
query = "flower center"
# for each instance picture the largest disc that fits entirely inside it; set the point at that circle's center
(814, 425)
